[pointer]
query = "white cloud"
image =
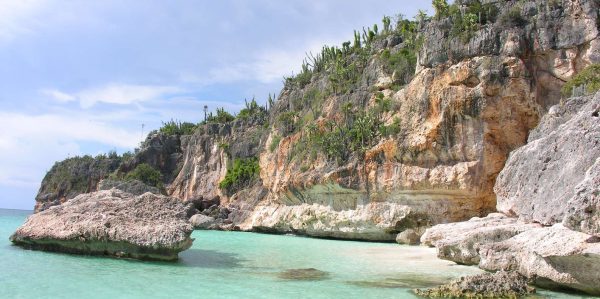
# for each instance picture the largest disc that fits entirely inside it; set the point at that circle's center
(18, 16)
(122, 94)
(61, 128)
(29, 144)
(268, 66)
(58, 95)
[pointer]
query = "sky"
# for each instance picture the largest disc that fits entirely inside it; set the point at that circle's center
(81, 77)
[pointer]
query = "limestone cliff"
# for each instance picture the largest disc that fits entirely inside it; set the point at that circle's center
(406, 128)
(471, 102)
(549, 194)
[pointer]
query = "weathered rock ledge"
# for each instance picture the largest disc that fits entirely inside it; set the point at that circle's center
(112, 223)
(460, 242)
(371, 222)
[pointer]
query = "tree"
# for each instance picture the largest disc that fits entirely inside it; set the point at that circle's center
(442, 9)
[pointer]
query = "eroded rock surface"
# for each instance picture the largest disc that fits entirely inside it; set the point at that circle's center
(553, 179)
(541, 180)
(133, 187)
(374, 221)
(553, 256)
(460, 242)
(111, 223)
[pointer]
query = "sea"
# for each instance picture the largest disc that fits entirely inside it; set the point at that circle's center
(230, 265)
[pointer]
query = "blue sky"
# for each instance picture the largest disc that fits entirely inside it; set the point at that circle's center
(80, 77)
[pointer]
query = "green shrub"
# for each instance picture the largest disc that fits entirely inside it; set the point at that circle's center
(240, 175)
(274, 143)
(402, 62)
(590, 77)
(441, 7)
(224, 146)
(252, 109)
(127, 156)
(146, 174)
(222, 117)
(465, 22)
(287, 121)
(78, 174)
(175, 127)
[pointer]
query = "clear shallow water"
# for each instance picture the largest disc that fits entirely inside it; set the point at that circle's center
(227, 265)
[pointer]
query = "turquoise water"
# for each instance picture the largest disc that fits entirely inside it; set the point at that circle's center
(226, 265)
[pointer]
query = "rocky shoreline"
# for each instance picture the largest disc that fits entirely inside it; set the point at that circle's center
(549, 194)
(476, 151)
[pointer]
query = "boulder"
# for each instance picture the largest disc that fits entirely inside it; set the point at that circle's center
(459, 242)
(410, 236)
(552, 256)
(542, 178)
(200, 221)
(487, 285)
(112, 223)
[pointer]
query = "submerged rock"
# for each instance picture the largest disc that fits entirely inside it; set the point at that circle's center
(412, 281)
(488, 285)
(111, 223)
(303, 274)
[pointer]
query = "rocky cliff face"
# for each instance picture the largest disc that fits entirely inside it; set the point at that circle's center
(469, 105)
(560, 181)
(210, 151)
(360, 150)
(72, 177)
(549, 194)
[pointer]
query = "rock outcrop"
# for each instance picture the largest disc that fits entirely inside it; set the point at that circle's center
(210, 151)
(160, 151)
(110, 223)
(469, 105)
(73, 176)
(553, 176)
(460, 242)
(200, 221)
(497, 285)
(552, 256)
(374, 221)
(549, 194)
